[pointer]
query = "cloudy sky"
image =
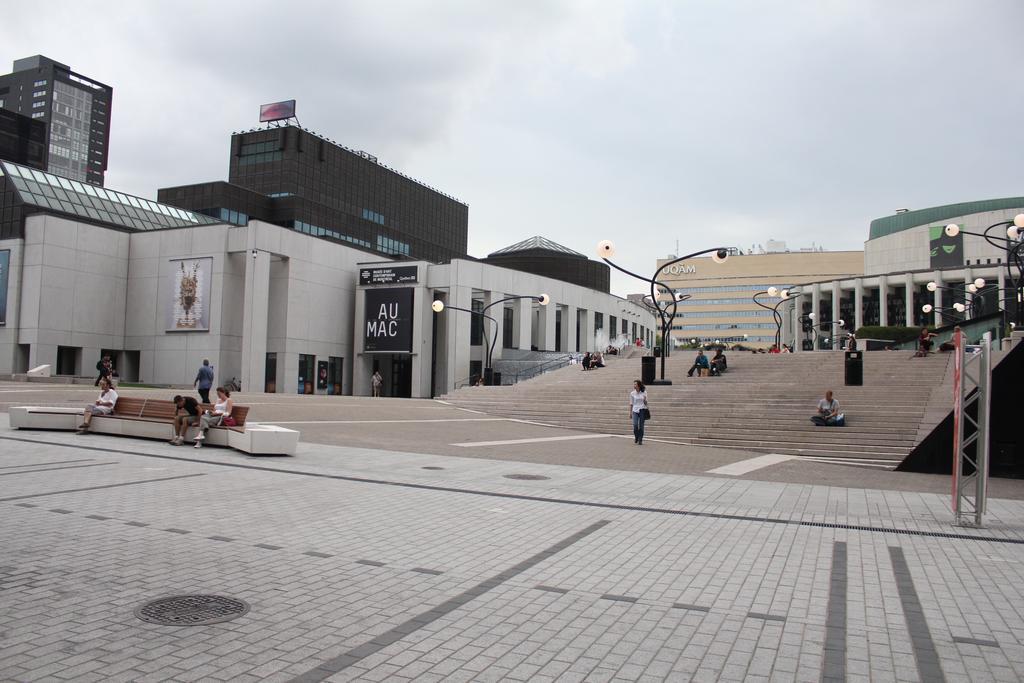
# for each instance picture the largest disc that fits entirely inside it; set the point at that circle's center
(704, 122)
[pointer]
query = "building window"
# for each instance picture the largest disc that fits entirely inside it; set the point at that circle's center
(476, 321)
(373, 216)
(39, 93)
(38, 115)
(390, 246)
(38, 83)
(37, 105)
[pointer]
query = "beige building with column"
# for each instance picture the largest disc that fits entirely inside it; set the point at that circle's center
(721, 304)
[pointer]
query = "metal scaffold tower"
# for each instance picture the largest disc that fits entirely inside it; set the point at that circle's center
(972, 398)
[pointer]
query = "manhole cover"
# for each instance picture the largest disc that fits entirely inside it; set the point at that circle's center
(191, 610)
(432, 467)
(527, 477)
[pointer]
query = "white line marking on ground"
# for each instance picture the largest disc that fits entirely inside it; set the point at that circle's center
(744, 466)
(363, 422)
(513, 442)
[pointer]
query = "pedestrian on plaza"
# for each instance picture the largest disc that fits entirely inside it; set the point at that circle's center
(204, 380)
(639, 411)
(104, 405)
(186, 414)
(376, 382)
(828, 413)
(220, 415)
(103, 368)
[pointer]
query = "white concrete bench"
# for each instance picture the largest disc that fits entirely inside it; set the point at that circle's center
(253, 438)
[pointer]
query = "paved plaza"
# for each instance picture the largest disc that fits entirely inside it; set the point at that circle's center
(443, 545)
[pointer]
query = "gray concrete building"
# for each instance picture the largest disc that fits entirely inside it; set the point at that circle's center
(88, 272)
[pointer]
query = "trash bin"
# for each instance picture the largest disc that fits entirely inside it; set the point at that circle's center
(496, 379)
(657, 352)
(647, 369)
(854, 368)
(488, 376)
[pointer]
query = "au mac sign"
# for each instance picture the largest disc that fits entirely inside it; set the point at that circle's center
(388, 324)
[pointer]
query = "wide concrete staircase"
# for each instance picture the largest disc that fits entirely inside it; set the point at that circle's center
(763, 403)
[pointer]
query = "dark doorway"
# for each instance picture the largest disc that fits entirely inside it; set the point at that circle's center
(270, 374)
(67, 359)
(334, 370)
(401, 376)
(558, 330)
(307, 371)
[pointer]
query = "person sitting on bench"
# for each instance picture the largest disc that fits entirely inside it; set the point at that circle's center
(828, 412)
(104, 405)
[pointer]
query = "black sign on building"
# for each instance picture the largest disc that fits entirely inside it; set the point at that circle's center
(388, 316)
(387, 276)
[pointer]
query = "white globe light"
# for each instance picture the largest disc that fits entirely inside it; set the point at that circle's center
(720, 256)
(544, 299)
(784, 293)
(773, 291)
(979, 282)
(931, 286)
(1018, 220)
(1013, 232)
(841, 322)
(605, 249)
(927, 308)
(438, 306)
(811, 316)
(959, 308)
(972, 288)
(952, 230)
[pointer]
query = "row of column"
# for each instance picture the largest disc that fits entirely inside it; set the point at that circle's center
(909, 286)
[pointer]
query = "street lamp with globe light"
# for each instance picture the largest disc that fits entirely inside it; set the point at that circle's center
(606, 250)
(438, 306)
(1013, 244)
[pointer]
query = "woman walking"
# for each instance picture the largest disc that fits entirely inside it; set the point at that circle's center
(639, 411)
(213, 418)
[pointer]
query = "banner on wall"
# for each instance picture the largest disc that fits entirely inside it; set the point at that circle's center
(387, 327)
(946, 251)
(188, 305)
(5, 266)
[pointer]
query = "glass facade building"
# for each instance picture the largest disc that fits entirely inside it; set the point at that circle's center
(297, 179)
(75, 110)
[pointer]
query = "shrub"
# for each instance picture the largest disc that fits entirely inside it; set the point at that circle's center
(891, 333)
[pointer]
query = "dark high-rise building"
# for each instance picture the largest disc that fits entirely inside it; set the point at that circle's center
(22, 139)
(292, 177)
(75, 109)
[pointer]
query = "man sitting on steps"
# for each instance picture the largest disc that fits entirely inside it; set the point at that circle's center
(699, 363)
(828, 413)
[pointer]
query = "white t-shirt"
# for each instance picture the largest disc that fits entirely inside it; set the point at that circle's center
(111, 396)
(827, 407)
(638, 399)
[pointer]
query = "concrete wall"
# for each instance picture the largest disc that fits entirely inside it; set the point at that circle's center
(71, 291)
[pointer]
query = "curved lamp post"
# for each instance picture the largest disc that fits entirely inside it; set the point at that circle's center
(1014, 247)
(955, 308)
(606, 249)
(971, 287)
(785, 295)
(809, 318)
(439, 306)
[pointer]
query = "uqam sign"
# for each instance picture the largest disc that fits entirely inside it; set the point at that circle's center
(680, 269)
(387, 325)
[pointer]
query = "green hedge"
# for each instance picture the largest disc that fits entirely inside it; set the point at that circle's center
(891, 333)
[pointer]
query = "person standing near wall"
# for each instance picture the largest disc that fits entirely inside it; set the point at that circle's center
(376, 382)
(204, 380)
(103, 368)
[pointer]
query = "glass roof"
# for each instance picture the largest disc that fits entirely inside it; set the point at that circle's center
(536, 242)
(48, 191)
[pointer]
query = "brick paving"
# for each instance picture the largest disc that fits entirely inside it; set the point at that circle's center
(358, 564)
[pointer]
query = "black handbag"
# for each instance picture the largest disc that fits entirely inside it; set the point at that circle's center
(645, 413)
